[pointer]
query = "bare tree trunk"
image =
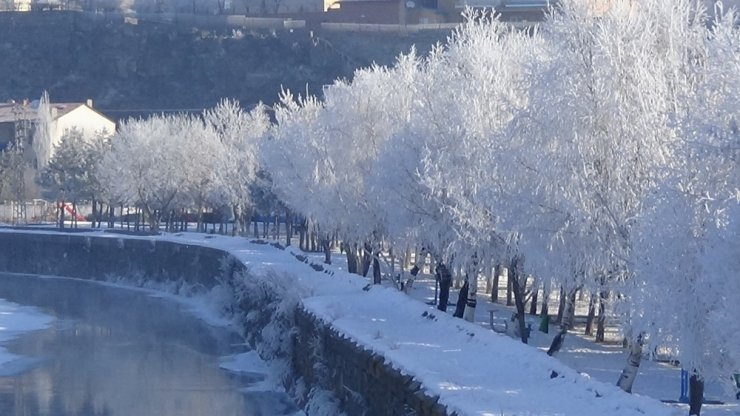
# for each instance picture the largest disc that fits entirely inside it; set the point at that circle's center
(533, 303)
(236, 211)
(591, 314)
(74, 216)
(376, 270)
(494, 289)
(561, 306)
(327, 250)
(419, 258)
(136, 219)
(489, 271)
(545, 298)
(557, 342)
(61, 214)
(445, 280)
(200, 227)
(351, 251)
(111, 216)
(366, 258)
(168, 221)
(94, 212)
(509, 288)
(289, 229)
(570, 310)
(302, 236)
(101, 213)
(461, 300)
(601, 322)
(392, 255)
(566, 321)
(629, 373)
(519, 291)
(471, 278)
(696, 393)
(247, 213)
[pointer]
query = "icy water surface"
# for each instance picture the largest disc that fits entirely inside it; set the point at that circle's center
(116, 352)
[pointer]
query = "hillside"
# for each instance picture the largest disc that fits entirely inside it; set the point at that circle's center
(134, 69)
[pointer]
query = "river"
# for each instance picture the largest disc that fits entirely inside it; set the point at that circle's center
(116, 352)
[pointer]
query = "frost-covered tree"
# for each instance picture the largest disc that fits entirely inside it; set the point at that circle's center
(689, 238)
(321, 152)
(293, 155)
(200, 178)
(150, 163)
(237, 134)
(71, 174)
(599, 117)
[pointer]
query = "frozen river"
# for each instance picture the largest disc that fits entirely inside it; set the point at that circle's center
(118, 352)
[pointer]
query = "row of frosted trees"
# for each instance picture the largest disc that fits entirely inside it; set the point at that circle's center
(600, 152)
(165, 165)
(596, 152)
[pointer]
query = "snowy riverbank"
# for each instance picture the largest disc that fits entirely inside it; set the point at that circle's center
(471, 369)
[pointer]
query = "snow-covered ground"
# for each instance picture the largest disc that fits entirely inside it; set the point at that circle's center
(474, 370)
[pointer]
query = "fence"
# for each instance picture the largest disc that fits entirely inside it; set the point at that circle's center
(37, 211)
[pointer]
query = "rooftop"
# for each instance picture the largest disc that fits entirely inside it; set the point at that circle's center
(12, 111)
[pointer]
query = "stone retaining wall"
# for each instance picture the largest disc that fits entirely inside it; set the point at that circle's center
(363, 381)
(99, 258)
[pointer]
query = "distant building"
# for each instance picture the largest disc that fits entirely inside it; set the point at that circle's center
(273, 7)
(384, 11)
(15, 5)
(23, 119)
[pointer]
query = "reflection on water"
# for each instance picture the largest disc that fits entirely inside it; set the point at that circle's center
(116, 352)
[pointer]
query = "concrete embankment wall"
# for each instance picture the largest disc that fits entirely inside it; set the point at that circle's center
(99, 258)
(363, 381)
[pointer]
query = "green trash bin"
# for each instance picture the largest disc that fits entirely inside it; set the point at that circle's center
(545, 324)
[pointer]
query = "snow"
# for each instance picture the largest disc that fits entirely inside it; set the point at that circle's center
(249, 360)
(250, 363)
(15, 320)
(474, 370)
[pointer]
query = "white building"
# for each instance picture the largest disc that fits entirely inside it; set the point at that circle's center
(24, 119)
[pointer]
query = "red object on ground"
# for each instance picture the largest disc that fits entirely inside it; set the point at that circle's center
(72, 212)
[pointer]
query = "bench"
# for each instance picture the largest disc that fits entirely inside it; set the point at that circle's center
(501, 325)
